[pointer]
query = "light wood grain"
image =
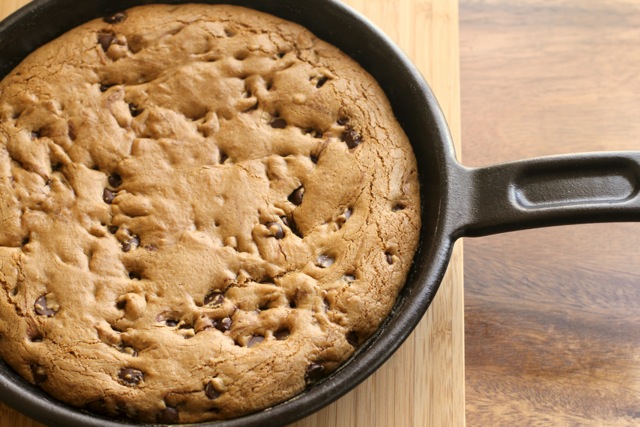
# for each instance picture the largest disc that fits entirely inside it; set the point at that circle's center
(423, 383)
(552, 316)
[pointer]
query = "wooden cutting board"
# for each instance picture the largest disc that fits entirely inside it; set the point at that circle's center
(423, 383)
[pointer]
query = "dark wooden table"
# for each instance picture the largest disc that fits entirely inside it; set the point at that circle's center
(553, 315)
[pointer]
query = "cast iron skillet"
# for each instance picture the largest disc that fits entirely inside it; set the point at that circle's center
(456, 201)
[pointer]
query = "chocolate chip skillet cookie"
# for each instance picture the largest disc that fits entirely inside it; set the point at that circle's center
(203, 210)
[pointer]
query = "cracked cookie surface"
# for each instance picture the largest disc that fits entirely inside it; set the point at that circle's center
(203, 209)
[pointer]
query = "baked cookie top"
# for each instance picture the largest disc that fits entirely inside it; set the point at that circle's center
(204, 210)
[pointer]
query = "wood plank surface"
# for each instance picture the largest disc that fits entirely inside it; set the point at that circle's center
(553, 315)
(423, 383)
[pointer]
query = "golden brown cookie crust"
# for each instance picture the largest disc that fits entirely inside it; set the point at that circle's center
(203, 208)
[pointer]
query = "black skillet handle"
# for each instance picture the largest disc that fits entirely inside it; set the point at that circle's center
(571, 189)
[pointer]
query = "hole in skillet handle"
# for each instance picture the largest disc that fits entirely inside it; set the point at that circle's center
(604, 180)
(415, 108)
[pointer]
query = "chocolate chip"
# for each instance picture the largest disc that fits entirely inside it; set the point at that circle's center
(171, 322)
(351, 138)
(352, 338)
(389, 257)
(134, 110)
(223, 325)
(134, 275)
(324, 261)
(211, 392)
(278, 123)
(116, 18)
(106, 40)
(343, 120)
(115, 180)
(108, 196)
(41, 308)
(297, 196)
(214, 298)
(281, 334)
(131, 376)
(255, 340)
(321, 82)
(275, 229)
(113, 229)
(314, 372)
(39, 374)
(132, 243)
(168, 415)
